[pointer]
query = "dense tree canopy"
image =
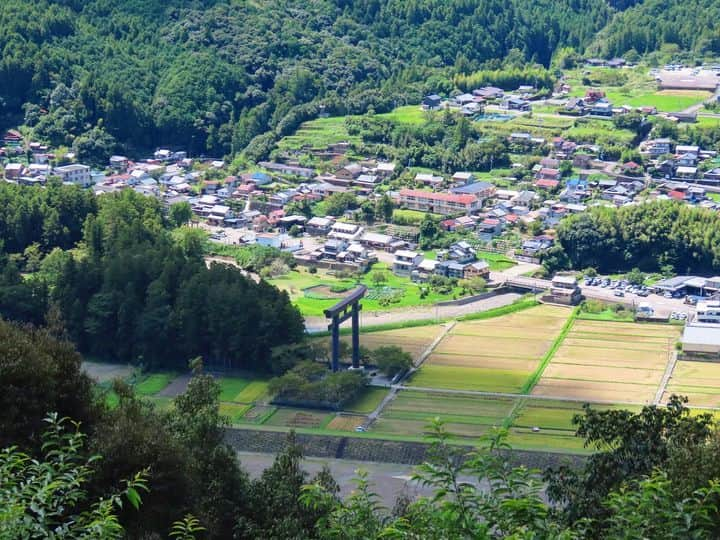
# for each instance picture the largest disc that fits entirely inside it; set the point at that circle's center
(218, 76)
(646, 236)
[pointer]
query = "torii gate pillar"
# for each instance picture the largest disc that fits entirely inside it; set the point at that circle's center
(347, 308)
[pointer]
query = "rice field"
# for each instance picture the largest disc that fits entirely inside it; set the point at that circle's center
(298, 418)
(609, 362)
(344, 422)
(699, 381)
(493, 355)
(465, 417)
(412, 340)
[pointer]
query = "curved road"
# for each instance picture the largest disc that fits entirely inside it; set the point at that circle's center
(372, 318)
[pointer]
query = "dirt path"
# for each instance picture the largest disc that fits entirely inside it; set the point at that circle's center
(394, 388)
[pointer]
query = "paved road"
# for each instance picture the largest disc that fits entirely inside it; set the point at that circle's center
(388, 480)
(371, 318)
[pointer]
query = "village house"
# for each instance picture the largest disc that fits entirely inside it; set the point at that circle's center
(290, 170)
(489, 92)
(513, 103)
(489, 228)
(439, 203)
(13, 171)
(377, 241)
(405, 262)
(345, 231)
(431, 102)
(75, 173)
(429, 179)
(319, 226)
(119, 163)
(480, 190)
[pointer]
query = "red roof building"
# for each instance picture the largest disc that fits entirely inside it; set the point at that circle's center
(439, 202)
(546, 183)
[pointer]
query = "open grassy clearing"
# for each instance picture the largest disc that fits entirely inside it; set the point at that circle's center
(609, 361)
(230, 387)
(407, 114)
(497, 261)
(662, 100)
(368, 401)
(152, 383)
(297, 281)
(493, 355)
(699, 381)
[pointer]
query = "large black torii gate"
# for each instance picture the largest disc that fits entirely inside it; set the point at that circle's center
(340, 312)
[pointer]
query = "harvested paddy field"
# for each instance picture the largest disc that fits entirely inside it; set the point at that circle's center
(465, 417)
(344, 422)
(493, 355)
(609, 361)
(413, 340)
(699, 381)
(298, 418)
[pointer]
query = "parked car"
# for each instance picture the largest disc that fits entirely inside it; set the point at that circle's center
(644, 293)
(618, 292)
(667, 294)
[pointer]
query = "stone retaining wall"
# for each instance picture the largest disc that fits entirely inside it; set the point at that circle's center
(378, 450)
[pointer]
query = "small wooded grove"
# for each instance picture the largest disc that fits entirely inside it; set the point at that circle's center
(129, 288)
(134, 471)
(648, 236)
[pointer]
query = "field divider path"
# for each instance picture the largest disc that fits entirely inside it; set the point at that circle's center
(669, 370)
(399, 385)
(481, 393)
(535, 377)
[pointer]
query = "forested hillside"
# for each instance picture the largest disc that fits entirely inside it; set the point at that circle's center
(685, 25)
(212, 75)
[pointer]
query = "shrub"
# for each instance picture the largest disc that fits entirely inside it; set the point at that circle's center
(391, 360)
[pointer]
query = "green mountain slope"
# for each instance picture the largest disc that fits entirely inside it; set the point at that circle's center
(221, 76)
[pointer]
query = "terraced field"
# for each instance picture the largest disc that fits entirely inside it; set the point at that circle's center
(699, 381)
(609, 362)
(466, 417)
(554, 420)
(494, 355)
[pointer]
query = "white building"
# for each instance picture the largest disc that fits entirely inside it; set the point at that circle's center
(708, 312)
(75, 174)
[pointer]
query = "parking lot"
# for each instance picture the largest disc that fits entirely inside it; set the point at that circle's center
(620, 291)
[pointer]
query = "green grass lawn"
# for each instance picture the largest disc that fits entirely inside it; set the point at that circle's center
(605, 315)
(407, 114)
(714, 196)
(230, 387)
(662, 101)
(497, 261)
(153, 383)
(254, 391)
(298, 280)
(368, 401)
